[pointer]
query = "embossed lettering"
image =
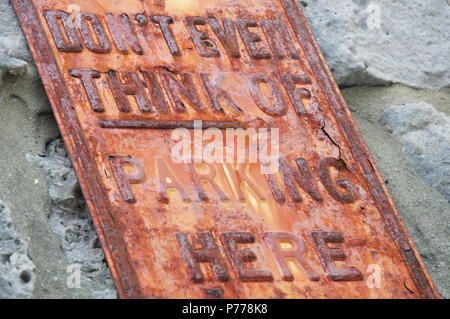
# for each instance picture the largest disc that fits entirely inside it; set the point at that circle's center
(226, 35)
(132, 85)
(103, 45)
(296, 95)
(156, 92)
(166, 180)
(198, 178)
(239, 257)
(205, 45)
(123, 33)
(275, 189)
(124, 179)
(303, 177)
(180, 91)
(273, 240)
(280, 107)
(55, 20)
(87, 77)
(350, 195)
(208, 253)
(240, 175)
(164, 23)
(278, 38)
(216, 92)
(249, 38)
(329, 255)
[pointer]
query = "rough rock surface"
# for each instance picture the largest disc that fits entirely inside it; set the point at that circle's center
(373, 42)
(424, 210)
(14, 53)
(426, 141)
(37, 181)
(70, 220)
(16, 269)
(45, 208)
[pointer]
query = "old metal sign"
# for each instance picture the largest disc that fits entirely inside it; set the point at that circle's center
(215, 152)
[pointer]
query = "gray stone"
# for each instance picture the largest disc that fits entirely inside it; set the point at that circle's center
(14, 53)
(424, 210)
(48, 209)
(426, 141)
(25, 127)
(12, 39)
(11, 66)
(70, 220)
(409, 43)
(16, 269)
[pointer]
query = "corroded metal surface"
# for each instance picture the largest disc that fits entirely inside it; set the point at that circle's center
(122, 75)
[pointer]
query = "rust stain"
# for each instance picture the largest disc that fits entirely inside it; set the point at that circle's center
(123, 75)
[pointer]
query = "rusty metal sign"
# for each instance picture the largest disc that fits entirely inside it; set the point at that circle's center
(152, 98)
